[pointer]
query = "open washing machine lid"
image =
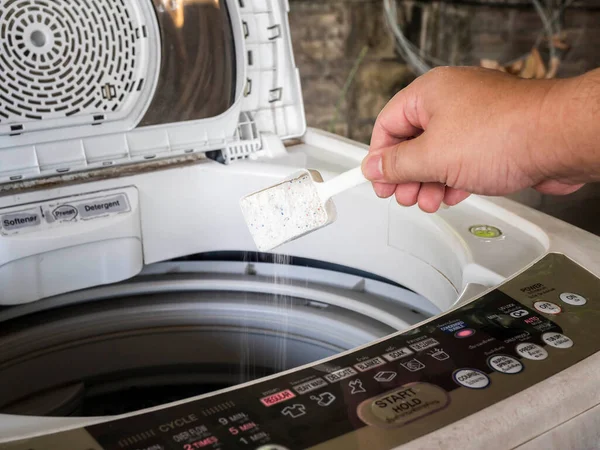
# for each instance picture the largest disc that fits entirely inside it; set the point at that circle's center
(73, 99)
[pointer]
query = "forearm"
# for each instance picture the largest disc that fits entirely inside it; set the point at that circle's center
(569, 128)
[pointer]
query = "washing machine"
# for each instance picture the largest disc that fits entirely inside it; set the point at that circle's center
(137, 315)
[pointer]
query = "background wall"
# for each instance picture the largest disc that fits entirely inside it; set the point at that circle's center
(350, 69)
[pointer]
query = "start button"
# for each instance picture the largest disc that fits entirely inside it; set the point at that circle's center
(403, 405)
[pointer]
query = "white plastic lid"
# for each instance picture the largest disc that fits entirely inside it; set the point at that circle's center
(77, 80)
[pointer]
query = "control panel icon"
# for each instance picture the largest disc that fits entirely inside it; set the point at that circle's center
(413, 365)
(356, 387)
(439, 354)
(324, 399)
(519, 313)
(385, 376)
(294, 411)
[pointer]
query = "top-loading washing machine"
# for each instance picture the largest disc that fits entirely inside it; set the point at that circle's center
(136, 313)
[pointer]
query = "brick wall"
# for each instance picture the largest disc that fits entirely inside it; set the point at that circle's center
(329, 36)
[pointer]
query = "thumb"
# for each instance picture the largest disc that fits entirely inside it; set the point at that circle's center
(401, 163)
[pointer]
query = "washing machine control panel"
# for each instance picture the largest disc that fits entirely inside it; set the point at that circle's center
(390, 392)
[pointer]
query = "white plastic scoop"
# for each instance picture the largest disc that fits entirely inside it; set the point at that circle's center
(294, 207)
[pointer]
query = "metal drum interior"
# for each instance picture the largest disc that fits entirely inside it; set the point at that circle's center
(188, 327)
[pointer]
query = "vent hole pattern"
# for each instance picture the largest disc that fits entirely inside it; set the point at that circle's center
(65, 58)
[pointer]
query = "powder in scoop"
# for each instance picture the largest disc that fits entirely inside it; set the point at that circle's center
(283, 212)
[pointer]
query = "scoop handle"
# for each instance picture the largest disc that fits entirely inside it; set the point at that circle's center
(342, 182)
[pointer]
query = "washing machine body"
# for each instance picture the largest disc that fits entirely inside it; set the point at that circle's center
(473, 327)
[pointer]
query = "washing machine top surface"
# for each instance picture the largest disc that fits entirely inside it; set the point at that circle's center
(388, 393)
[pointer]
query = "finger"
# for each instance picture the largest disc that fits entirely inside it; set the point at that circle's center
(454, 196)
(382, 138)
(405, 162)
(431, 196)
(384, 190)
(553, 187)
(406, 193)
(397, 121)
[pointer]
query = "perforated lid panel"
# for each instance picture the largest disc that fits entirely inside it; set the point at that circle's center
(89, 84)
(64, 62)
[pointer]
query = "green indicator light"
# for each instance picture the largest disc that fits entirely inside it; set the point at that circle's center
(485, 231)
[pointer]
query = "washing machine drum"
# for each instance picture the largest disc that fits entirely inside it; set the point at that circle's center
(185, 328)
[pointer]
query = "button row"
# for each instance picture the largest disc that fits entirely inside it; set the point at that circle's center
(537, 353)
(475, 379)
(553, 309)
(415, 400)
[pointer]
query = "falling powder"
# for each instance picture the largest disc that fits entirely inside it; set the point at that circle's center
(283, 212)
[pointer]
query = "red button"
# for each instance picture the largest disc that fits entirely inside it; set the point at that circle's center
(464, 333)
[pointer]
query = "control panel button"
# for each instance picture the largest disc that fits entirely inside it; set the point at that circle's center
(547, 307)
(278, 397)
(519, 313)
(403, 405)
(531, 351)
(341, 374)
(471, 378)
(557, 340)
(397, 354)
(573, 299)
(309, 386)
(505, 364)
(464, 333)
(369, 364)
(424, 345)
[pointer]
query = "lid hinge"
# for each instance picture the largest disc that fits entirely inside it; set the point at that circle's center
(239, 150)
(246, 141)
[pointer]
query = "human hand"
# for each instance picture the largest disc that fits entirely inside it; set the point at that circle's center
(457, 131)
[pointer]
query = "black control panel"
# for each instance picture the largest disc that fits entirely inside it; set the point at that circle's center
(454, 365)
